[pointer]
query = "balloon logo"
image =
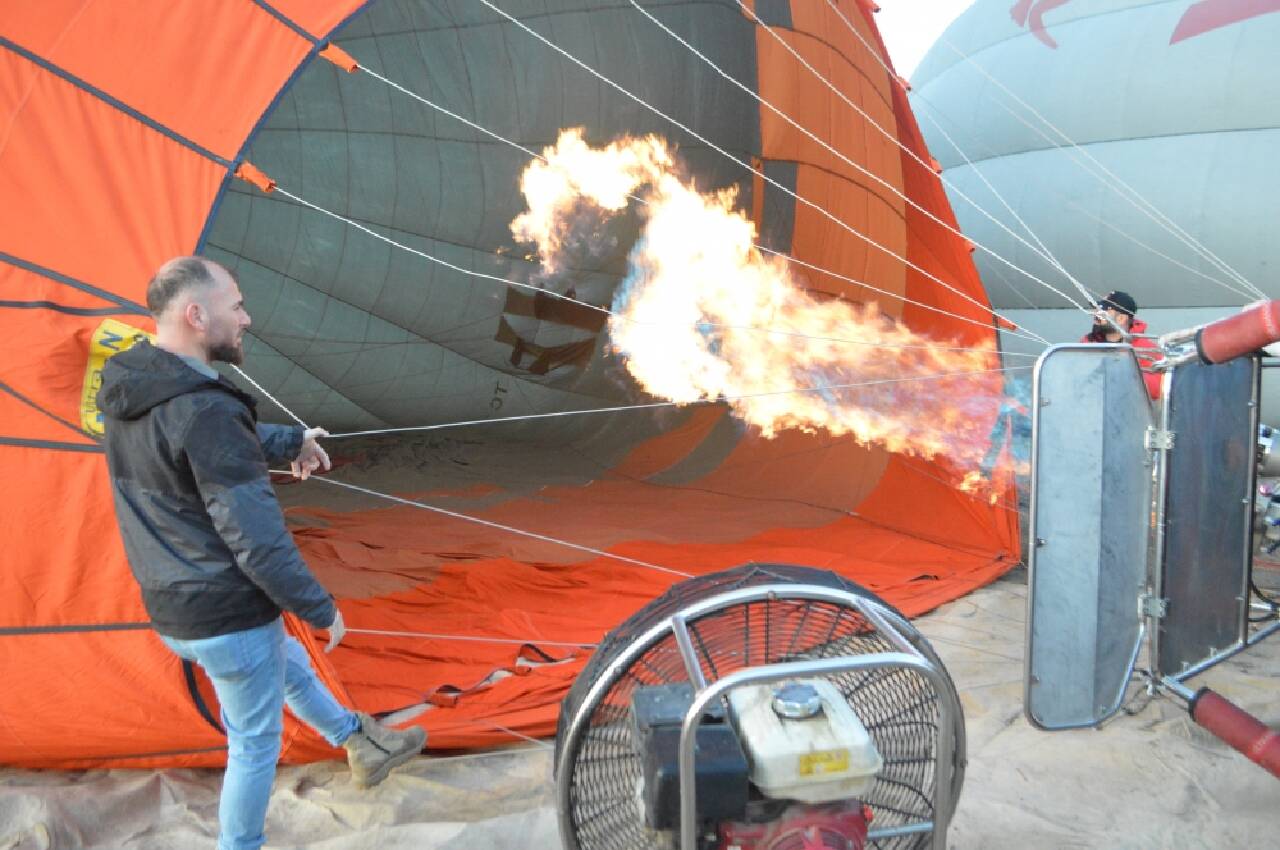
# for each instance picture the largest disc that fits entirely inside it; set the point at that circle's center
(1203, 17)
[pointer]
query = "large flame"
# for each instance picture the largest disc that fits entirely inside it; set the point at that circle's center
(705, 315)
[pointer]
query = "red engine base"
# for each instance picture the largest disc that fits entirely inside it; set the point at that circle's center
(835, 826)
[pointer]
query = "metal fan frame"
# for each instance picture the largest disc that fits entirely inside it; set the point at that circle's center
(883, 618)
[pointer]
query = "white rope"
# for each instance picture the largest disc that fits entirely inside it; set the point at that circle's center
(1100, 220)
(771, 181)
(1044, 251)
(986, 500)
(292, 415)
(521, 735)
(471, 638)
(970, 60)
(545, 538)
(455, 116)
(1060, 195)
(570, 299)
(645, 406)
(1017, 290)
(490, 524)
(892, 138)
(762, 248)
(1089, 299)
(651, 405)
(1046, 254)
(1075, 157)
(424, 255)
(542, 745)
(1134, 197)
(1015, 331)
(516, 145)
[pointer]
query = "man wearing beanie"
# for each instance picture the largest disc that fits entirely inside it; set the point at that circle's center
(1119, 310)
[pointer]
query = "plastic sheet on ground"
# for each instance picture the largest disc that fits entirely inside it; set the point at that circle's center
(1146, 781)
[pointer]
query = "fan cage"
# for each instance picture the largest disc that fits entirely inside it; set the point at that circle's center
(898, 706)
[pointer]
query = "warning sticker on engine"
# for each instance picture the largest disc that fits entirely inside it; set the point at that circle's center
(110, 338)
(824, 762)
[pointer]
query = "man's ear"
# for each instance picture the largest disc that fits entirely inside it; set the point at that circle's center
(194, 315)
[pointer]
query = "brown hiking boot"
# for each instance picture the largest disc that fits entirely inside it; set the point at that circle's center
(374, 749)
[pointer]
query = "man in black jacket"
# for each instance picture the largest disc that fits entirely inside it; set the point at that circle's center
(207, 541)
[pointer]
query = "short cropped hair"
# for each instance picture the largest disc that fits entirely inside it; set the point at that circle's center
(174, 278)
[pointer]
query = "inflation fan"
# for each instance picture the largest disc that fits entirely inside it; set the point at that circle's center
(821, 720)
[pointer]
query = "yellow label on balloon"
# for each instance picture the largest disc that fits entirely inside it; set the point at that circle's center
(110, 338)
(824, 762)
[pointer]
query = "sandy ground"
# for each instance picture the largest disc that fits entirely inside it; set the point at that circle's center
(1150, 779)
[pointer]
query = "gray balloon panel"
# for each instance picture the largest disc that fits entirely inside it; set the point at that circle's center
(352, 332)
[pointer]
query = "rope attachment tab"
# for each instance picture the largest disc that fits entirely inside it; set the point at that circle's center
(251, 173)
(340, 57)
(1006, 324)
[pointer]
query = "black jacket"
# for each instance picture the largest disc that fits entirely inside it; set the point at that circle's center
(202, 528)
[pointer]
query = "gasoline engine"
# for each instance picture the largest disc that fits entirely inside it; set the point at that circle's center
(825, 722)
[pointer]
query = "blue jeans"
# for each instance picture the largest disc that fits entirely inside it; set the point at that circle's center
(255, 672)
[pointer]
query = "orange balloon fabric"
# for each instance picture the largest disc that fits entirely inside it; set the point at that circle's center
(121, 126)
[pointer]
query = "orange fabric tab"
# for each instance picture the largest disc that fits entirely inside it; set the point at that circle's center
(250, 173)
(340, 57)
